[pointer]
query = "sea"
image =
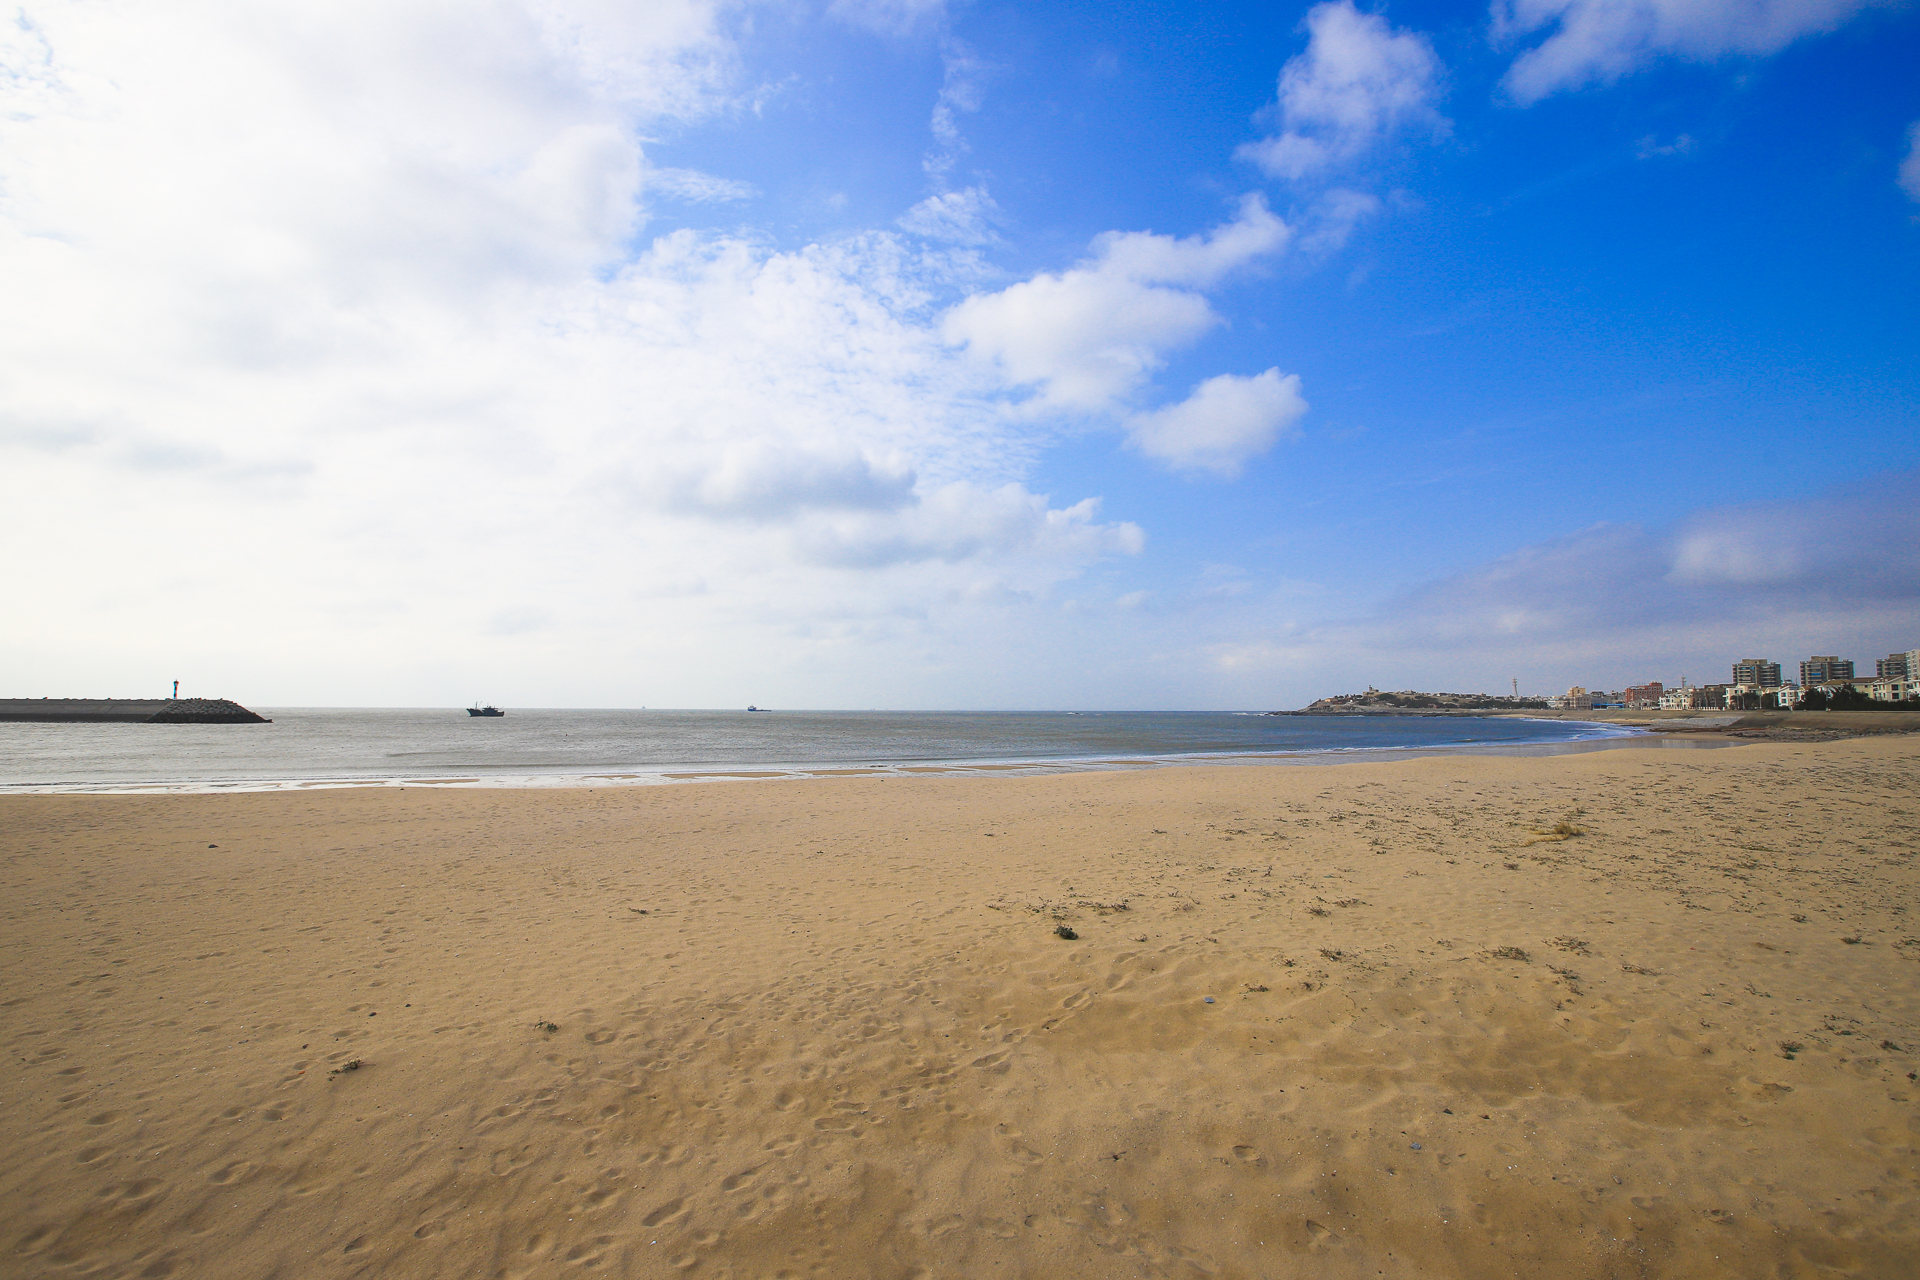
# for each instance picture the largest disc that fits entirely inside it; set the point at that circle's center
(308, 747)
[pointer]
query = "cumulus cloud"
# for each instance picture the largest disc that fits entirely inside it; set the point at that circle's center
(962, 522)
(1224, 423)
(1359, 83)
(773, 481)
(1910, 164)
(1087, 338)
(1592, 42)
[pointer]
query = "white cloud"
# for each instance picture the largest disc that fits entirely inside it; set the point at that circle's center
(1359, 83)
(1650, 146)
(1331, 219)
(1224, 423)
(961, 522)
(697, 187)
(769, 481)
(1088, 338)
(889, 17)
(1910, 164)
(956, 217)
(960, 93)
(1599, 41)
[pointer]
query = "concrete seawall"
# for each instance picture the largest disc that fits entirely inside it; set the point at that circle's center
(127, 711)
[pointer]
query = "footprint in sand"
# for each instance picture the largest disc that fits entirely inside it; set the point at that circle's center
(588, 1252)
(505, 1162)
(668, 1212)
(138, 1189)
(33, 1241)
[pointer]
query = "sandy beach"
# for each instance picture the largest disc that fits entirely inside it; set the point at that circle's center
(1356, 1020)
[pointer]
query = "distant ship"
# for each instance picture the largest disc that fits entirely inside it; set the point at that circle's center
(488, 710)
(750, 707)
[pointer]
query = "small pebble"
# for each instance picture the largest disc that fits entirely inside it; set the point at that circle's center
(1414, 1145)
(1209, 999)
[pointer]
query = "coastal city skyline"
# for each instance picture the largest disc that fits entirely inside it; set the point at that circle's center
(843, 353)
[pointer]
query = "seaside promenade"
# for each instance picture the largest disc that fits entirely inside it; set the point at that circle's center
(1354, 1020)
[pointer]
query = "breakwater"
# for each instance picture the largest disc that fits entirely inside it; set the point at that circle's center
(127, 711)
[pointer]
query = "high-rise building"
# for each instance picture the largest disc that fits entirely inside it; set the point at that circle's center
(1892, 667)
(1824, 670)
(1757, 671)
(1644, 695)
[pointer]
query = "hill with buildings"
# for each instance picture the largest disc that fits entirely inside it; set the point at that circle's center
(1409, 702)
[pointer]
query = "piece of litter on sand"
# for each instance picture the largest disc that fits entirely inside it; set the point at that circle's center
(1209, 999)
(1414, 1145)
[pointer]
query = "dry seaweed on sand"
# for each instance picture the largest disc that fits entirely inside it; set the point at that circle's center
(1565, 829)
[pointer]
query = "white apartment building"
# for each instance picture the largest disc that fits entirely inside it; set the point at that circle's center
(1895, 688)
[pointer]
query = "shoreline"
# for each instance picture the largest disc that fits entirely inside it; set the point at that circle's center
(1623, 737)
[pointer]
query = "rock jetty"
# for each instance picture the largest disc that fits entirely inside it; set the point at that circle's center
(127, 711)
(1409, 702)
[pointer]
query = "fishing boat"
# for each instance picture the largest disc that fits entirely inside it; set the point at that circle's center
(488, 710)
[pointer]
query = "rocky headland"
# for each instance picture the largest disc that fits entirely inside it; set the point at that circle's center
(1409, 702)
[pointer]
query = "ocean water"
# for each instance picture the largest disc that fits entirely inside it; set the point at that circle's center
(335, 746)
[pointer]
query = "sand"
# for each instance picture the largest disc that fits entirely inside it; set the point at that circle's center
(828, 1027)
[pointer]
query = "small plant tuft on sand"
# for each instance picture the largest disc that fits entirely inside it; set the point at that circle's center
(1565, 829)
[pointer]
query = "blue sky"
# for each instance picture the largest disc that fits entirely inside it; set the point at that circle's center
(901, 353)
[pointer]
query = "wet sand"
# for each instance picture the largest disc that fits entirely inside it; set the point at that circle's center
(829, 1027)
